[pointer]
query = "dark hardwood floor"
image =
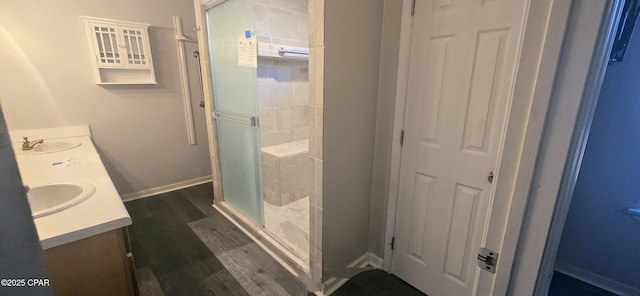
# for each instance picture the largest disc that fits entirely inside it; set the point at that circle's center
(182, 246)
(376, 283)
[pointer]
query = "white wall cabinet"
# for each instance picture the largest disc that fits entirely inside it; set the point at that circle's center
(120, 51)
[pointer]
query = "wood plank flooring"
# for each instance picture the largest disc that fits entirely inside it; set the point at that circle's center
(182, 246)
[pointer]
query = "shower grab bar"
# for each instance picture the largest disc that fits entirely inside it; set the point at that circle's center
(196, 54)
(282, 51)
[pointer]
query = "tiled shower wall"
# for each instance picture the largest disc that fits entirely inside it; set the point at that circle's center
(283, 85)
(283, 95)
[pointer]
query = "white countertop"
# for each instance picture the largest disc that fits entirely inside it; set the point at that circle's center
(102, 212)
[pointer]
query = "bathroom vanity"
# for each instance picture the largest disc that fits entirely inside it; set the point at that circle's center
(80, 218)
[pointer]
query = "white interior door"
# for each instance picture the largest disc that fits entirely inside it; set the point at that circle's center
(461, 77)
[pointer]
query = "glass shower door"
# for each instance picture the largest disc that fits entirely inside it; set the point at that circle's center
(235, 95)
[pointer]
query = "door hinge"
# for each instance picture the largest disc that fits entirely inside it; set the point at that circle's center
(413, 7)
(487, 260)
(393, 242)
(401, 137)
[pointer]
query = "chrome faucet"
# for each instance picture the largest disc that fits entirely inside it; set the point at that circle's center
(28, 145)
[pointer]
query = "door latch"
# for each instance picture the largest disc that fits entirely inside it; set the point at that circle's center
(490, 177)
(487, 260)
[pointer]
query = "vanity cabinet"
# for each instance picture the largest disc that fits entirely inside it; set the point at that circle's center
(97, 265)
(120, 51)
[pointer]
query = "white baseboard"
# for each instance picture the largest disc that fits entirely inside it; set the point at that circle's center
(596, 279)
(166, 188)
(367, 259)
(375, 260)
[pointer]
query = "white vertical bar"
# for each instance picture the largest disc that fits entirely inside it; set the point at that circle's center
(114, 47)
(103, 49)
(186, 96)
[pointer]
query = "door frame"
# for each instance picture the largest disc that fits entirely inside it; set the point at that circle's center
(537, 66)
(579, 130)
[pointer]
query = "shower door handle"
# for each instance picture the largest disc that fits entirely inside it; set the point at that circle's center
(249, 121)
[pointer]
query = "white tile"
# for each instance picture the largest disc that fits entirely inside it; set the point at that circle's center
(291, 42)
(312, 132)
(263, 38)
(319, 23)
(318, 183)
(318, 228)
(300, 27)
(290, 224)
(301, 134)
(312, 226)
(291, 117)
(276, 138)
(312, 75)
(270, 21)
(318, 128)
(315, 264)
(312, 23)
(319, 77)
(299, 6)
(267, 119)
(262, 70)
(273, 93)
(301, 90)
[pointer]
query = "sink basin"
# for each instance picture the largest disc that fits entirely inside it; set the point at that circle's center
(50, 147)
(52, 198)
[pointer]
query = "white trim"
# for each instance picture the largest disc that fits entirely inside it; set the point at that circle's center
(398, 124)
(367, 259)
(597, 280)
(546, 22)
(580, 133)
(109, 21)
(166, 188)
(374, 260)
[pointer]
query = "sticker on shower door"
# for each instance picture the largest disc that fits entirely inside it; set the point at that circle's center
(247, 51)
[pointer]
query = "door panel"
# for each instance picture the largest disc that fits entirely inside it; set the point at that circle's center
(461, 77)
(235, 97)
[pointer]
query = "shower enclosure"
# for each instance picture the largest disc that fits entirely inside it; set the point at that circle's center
(258, 54)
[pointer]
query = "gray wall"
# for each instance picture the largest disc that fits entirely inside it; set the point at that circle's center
(389, 52)
(352, 54)
(598, 236)
(47, 80)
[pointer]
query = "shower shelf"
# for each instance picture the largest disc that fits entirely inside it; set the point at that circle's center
(279, 51)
